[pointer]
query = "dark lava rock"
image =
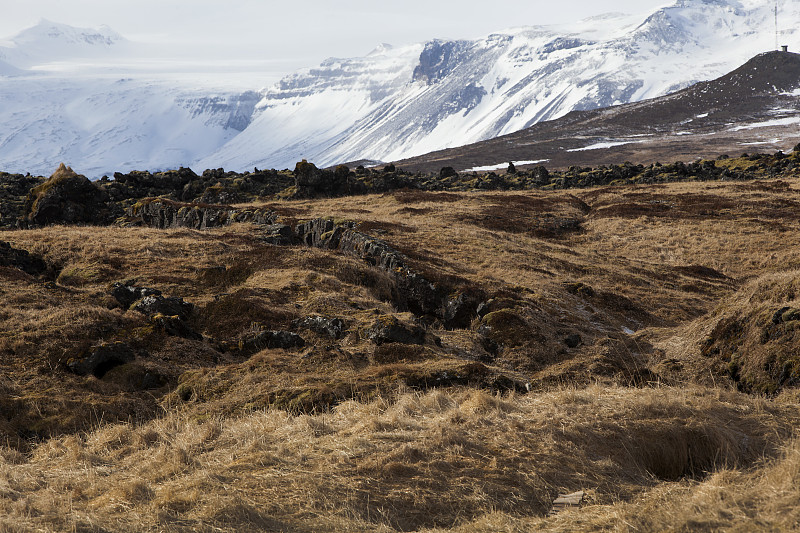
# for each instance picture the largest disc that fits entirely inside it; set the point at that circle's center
(447, 172)
(389, 329)
(265, 339)
(311, 182)
(573, 341)
(332, 327)
(65, 198)
(459, 310)
(411, 290)
(162, 214)
(155, 304)
(14, 189)
(278, 234)
(98, 360)
(126, 294)
(174, 326)
(21, 259)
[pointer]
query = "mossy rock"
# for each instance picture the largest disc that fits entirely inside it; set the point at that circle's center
(506, 327)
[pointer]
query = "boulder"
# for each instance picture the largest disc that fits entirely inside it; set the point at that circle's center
(174, 326)
(447, 172)
(65, 198)
(312, 182)
(460, 309)
(388, 328)
(99, 359)
(573, 340)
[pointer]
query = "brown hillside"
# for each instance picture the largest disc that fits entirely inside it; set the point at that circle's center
(417, 361)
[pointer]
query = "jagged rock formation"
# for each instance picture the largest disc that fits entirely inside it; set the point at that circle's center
(162, 214)
(331, 327)
(254, 342)
(411, 290)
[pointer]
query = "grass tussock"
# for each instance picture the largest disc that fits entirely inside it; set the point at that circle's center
(439, 459)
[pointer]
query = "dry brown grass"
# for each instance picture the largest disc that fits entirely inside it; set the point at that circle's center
(341, 435)
(420, 460)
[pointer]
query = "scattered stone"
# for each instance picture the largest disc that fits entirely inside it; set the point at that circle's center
(332, 327)
(174, 326)
(126, 294)
(98, 360)
(156, 304)
(261, 340)
(388, 328)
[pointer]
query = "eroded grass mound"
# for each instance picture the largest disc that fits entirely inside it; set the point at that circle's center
(439, 459)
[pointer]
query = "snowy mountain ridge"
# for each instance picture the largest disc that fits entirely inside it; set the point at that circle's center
(452, 93)
(394, 103)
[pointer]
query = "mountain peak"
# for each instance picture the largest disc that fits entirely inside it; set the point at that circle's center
(52, 41)
(47, 31)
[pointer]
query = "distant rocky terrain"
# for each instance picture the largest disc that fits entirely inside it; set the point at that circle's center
(181, 198)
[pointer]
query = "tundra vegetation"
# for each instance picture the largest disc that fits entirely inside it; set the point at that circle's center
(375, 350)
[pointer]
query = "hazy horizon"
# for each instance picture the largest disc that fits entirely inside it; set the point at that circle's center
(284, 38)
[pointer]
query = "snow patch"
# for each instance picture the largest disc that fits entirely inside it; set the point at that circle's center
(769, 123)
(600, 146)
(504, 165)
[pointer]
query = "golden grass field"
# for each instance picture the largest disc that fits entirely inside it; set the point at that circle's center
(677, 410)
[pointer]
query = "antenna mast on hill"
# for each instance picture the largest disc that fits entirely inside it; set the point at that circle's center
(777, 41)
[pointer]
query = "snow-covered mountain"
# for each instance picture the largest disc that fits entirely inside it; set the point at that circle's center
(393, 103)
(396, 103)
(107, 120)
(50, 41)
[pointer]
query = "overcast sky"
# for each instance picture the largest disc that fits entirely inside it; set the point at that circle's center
(298, 33)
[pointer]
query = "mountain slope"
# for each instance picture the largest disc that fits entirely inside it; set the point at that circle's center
(449, 93)
(391, 104)
(756, 105)
(103, 122)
